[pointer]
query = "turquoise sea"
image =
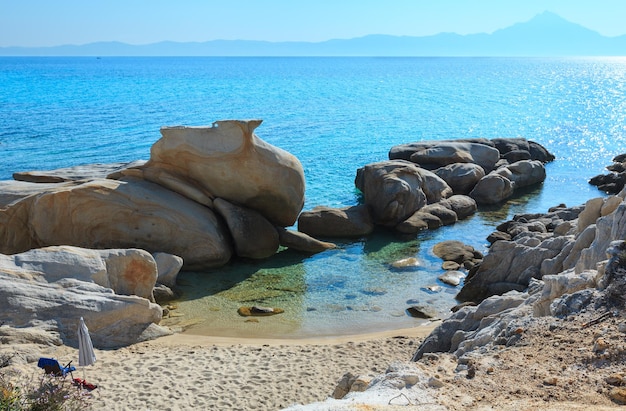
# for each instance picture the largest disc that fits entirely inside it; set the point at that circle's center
(335, 115)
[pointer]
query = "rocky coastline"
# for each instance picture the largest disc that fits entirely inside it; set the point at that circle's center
(195, 206)
(543, 325)
(97, 241)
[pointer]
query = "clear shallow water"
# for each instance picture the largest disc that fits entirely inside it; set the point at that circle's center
(335, 115)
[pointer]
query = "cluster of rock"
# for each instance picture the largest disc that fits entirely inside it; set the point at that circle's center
(205, 195)
(614, 181)
(535, 245)
(44, 291)
(429, 184)
(595, 282)
(556, 271)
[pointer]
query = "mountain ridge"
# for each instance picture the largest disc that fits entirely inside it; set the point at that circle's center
(546, 34)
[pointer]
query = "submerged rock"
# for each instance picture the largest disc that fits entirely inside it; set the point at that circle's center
(259, 311)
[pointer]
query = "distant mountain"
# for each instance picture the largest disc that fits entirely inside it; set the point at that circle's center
(547, 34)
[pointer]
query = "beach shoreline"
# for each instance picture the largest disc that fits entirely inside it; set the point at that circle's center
(189, 372)
(197, 339)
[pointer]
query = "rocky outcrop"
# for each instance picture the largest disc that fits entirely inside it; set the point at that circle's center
(537, 245)
(614, 181)
(127, 213)
(392, 191)
(488, 170)
(500, 184)
(448, 152)
(204, 191)
(229, 161)
(500, 320)
(404, 195)
(169, 196)
(50, 288)
(405, 151)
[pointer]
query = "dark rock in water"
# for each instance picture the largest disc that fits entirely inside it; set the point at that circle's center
(453, 250)
(354, 221)
(539, 152)
(516, 155)
(259, 311)
(419, 221)
(431, 289)
(461, 177)
(450, 265)
(615, 181)
(301, 241)
(241, 222)
(421, 311)
(374, 291)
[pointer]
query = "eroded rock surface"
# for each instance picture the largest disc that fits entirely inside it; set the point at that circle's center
(128, 213)
(229, 161)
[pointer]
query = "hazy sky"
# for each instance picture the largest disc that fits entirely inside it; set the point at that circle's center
(57, 22)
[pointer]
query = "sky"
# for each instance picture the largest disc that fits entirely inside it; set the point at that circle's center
(37, 23)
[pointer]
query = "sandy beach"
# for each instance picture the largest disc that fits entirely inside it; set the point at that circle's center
(192, 372)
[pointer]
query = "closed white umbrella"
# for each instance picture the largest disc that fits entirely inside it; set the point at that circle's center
(86, 355)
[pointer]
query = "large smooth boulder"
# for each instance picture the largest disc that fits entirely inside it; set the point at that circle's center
(49, 289)
(446, 153)
(417, 222)
(453, 250)
(113, 320)
(168, 267)
(125, 271)
(392, 190)
(228, 160)
(492, 189)
(507, 145)
(442, 211)
(524, 173)
(322, 221)
(253, 235)
(461, 177)
(404, 151)
(128, 213)
(435, 187)
(464, 206)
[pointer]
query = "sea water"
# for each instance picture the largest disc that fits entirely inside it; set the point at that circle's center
(335, 115)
